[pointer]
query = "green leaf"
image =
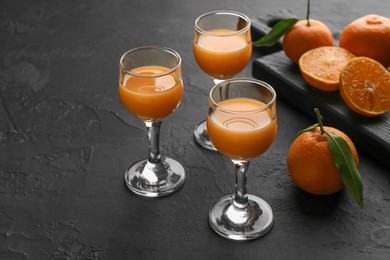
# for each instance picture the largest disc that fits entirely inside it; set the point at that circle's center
(307, 129)
(277, 31)
(343, 158)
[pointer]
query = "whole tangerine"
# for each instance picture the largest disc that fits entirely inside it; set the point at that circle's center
(368, 36)
(310, 162)
(306, 35)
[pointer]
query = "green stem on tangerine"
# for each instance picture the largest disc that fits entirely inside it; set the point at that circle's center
(308, 13)
(319, 119)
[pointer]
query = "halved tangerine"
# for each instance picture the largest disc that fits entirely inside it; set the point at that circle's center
(320, 67)
(365, 86)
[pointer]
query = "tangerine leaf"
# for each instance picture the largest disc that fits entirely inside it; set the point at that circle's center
(307, 129)
(277, 31)
(345, 163)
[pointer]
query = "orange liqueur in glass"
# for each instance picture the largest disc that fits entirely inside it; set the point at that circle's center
(151, 98)
(222, 53)
(241, 136)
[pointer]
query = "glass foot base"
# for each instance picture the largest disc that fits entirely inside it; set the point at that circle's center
(201, 136)
(241, 224)
(155, 179)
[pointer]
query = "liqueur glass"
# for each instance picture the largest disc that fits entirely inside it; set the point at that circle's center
(151, 88)
(242, 125)
(222, 48)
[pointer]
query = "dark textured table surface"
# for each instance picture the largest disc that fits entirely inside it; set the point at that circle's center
(66, 140)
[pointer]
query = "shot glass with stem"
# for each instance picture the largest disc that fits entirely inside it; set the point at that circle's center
(151, 88)
(242, 125)
(222, 48)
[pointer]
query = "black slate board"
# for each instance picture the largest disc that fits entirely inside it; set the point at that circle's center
(370, 134)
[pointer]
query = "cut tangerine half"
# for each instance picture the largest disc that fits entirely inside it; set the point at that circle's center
(320, 67)
(365, 86)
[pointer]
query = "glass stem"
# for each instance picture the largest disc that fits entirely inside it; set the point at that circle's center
(241, 195)
(154, 141)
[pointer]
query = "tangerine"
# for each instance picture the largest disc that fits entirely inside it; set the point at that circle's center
(320, 67)
(306, 35)
(365, 86)
(310, 162)
(368, 36)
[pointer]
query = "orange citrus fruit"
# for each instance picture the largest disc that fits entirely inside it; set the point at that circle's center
(310, 162)
(303, 37)
(365, 86)
(321, 66)
(368, 36)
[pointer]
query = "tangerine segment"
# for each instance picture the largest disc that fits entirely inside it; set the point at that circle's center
(365, 86)
(321, 66)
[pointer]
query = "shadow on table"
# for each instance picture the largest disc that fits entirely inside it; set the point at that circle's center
(314, 204)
